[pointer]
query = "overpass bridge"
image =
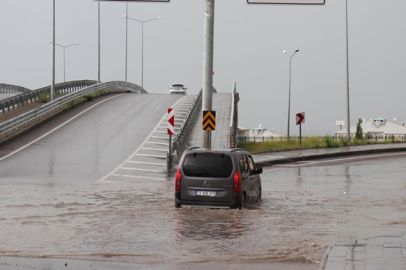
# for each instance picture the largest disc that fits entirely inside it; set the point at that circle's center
(188, 117)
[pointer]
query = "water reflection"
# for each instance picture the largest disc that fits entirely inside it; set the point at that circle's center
(201, 223)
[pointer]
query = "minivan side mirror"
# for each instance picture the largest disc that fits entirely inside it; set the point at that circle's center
(258, 170)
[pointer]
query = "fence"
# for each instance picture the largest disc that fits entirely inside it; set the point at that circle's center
(179, 142)
(258, 139)
(8, 88)
(234, 117)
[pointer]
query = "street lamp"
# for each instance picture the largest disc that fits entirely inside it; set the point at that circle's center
(64, 55)
(348, 74)
(290, 72)
(142, 40)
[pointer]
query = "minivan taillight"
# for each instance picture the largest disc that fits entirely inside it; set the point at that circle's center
(236, 186)
(177, 181)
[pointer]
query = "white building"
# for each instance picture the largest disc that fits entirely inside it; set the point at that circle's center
(258, 134)
(377, 129)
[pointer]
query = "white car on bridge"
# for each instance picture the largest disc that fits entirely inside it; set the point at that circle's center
(177, 88)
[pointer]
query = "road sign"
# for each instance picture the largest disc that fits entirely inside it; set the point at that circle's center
(291, 2)
(171, 121)
(209, 120)
(300, 118)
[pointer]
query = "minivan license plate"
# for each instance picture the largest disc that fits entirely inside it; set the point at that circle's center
(206, 193)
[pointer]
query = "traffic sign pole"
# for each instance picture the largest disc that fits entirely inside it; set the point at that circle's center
(171, 129)
(300, 135)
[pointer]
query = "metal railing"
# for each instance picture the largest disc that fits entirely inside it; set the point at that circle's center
(33, 95)
(9, 88)
(259, 139)
(181, 139)
(35, 114)
(234, 117)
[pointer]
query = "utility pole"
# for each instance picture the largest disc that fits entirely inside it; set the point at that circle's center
(208, 66)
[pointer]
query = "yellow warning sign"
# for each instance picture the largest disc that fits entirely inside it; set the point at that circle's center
(209, 120)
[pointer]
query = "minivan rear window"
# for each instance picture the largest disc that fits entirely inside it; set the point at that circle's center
(201, 165)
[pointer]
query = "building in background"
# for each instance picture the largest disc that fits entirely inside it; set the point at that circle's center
(258, 134)
(377, 129)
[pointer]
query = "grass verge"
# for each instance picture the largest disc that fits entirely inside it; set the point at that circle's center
(311, 142)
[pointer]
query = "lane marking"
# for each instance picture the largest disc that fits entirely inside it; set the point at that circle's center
(141, 170)
(158, 150)
(58, 127)
(158, 143)
(147, 163)
(138, 149)
(144, 155)
(136, 176)
(158, 137)
(341, 159)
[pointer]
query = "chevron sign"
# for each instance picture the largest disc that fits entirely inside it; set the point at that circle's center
(209, 120)
(171, 121)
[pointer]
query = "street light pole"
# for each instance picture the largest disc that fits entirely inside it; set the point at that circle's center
(126, 38)
(53, 54)
(290, 77)
(348, 74)
(64, 55)
(142, 46)
(98, 51)
(208, 55)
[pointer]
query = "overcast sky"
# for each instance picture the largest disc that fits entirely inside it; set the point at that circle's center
(248, 45)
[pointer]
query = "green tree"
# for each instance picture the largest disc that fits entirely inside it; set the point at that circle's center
(358, 133)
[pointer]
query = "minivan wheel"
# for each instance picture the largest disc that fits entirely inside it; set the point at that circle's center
(177, 205)
(260, 194)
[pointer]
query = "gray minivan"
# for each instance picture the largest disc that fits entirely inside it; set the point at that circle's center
(217, 178)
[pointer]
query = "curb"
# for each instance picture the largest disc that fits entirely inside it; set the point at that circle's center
(327, 155)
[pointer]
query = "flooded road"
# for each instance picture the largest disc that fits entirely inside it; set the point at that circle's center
(133, 221)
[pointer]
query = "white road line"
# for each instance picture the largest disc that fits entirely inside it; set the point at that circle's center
(342, 159)
(138, 177)
(158, 143)
(144, 155)
(163, 132)
(158, 150)
(141, 170)
(138, 149)
(58, 127)
(146, 163)
(157, 137)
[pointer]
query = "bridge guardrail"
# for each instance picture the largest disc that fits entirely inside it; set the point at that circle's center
(180, 140)
(234, 117)
(9, 88)
(35, 114)
(28, 96)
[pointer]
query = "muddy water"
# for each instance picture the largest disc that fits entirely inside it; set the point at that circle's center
(303, 211)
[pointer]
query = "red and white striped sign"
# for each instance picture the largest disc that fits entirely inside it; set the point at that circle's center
(171, 121)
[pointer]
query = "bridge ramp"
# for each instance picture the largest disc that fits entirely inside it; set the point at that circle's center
(221, 136)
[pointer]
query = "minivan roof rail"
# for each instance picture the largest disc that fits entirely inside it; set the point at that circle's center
(236, 149)
(193, 147)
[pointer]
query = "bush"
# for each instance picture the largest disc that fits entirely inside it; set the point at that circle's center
(72, 103)
(89, 97)
(330, 142)
(43, 98)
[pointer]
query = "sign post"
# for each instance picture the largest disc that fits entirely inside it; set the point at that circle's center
(171, 130)
(300, 119)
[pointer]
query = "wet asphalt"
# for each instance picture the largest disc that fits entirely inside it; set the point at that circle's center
(386, 252)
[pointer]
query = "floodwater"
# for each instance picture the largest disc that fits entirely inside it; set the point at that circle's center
(133, 220)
